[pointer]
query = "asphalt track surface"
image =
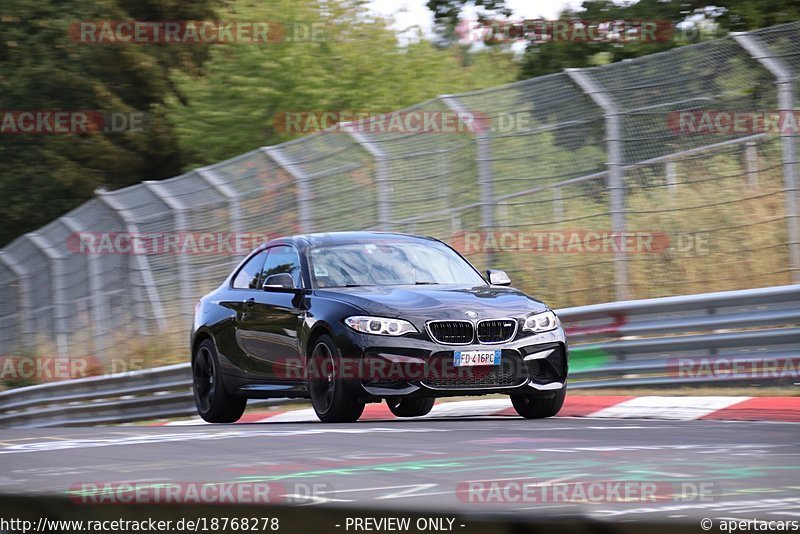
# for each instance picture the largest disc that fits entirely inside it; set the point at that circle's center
(714, 469)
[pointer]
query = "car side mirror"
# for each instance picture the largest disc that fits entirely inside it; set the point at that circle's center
(278, 281)
(498, 278)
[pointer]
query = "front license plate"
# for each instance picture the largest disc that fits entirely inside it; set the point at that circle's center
(464, 358)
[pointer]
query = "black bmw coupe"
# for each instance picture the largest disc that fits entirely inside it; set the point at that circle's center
(355, 317)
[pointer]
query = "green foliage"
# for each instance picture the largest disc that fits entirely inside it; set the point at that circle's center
(699, 20)
(446, 14)
(744, 15)
(549, 57)
(42, 68)
(355, 65)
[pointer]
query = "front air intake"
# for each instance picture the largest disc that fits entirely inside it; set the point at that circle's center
(496, 330)
(451, 332)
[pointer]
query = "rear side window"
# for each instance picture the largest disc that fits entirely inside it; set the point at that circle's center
(247, 277)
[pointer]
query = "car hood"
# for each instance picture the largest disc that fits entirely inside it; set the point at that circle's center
(437, 302)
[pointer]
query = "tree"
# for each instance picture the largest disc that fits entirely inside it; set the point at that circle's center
(553, 56)
(353, 64)
(692, 21)
(744, 15)
(446, 15)
(45, 69)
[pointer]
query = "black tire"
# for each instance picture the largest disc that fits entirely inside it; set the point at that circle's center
(331, 395)
(415, 407)
(537, 406)
(214, 403)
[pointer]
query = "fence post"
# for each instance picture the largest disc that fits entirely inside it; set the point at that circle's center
(60, 306)
(98, 312)
(751, 163)
(381, 174)
(304, 196)
(616, 178)
(784, 79)
(558, 205)
(455, 223)
(184, 275)
(24, 295)
(232, 198)
(670, 169)
(140, 260)
(483, 156)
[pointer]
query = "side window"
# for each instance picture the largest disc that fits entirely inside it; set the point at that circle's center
(247, 277)
(282, 259)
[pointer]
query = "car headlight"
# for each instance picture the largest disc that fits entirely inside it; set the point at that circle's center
(379, 326)
(541, 322)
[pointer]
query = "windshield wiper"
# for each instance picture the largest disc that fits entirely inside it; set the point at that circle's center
(426, 283)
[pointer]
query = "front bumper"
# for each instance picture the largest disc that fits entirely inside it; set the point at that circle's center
(404, 366)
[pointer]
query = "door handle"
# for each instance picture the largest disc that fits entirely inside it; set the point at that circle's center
(250, 302)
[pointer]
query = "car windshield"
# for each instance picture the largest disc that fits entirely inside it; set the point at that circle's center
(388, 263)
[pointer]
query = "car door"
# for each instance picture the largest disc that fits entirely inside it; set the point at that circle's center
(269, 328)
(243, 286)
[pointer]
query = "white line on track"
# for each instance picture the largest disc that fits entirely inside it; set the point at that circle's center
(213, 435)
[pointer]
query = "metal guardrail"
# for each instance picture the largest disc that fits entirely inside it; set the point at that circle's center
(743, 337)
(156, 393)
(733, 337)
